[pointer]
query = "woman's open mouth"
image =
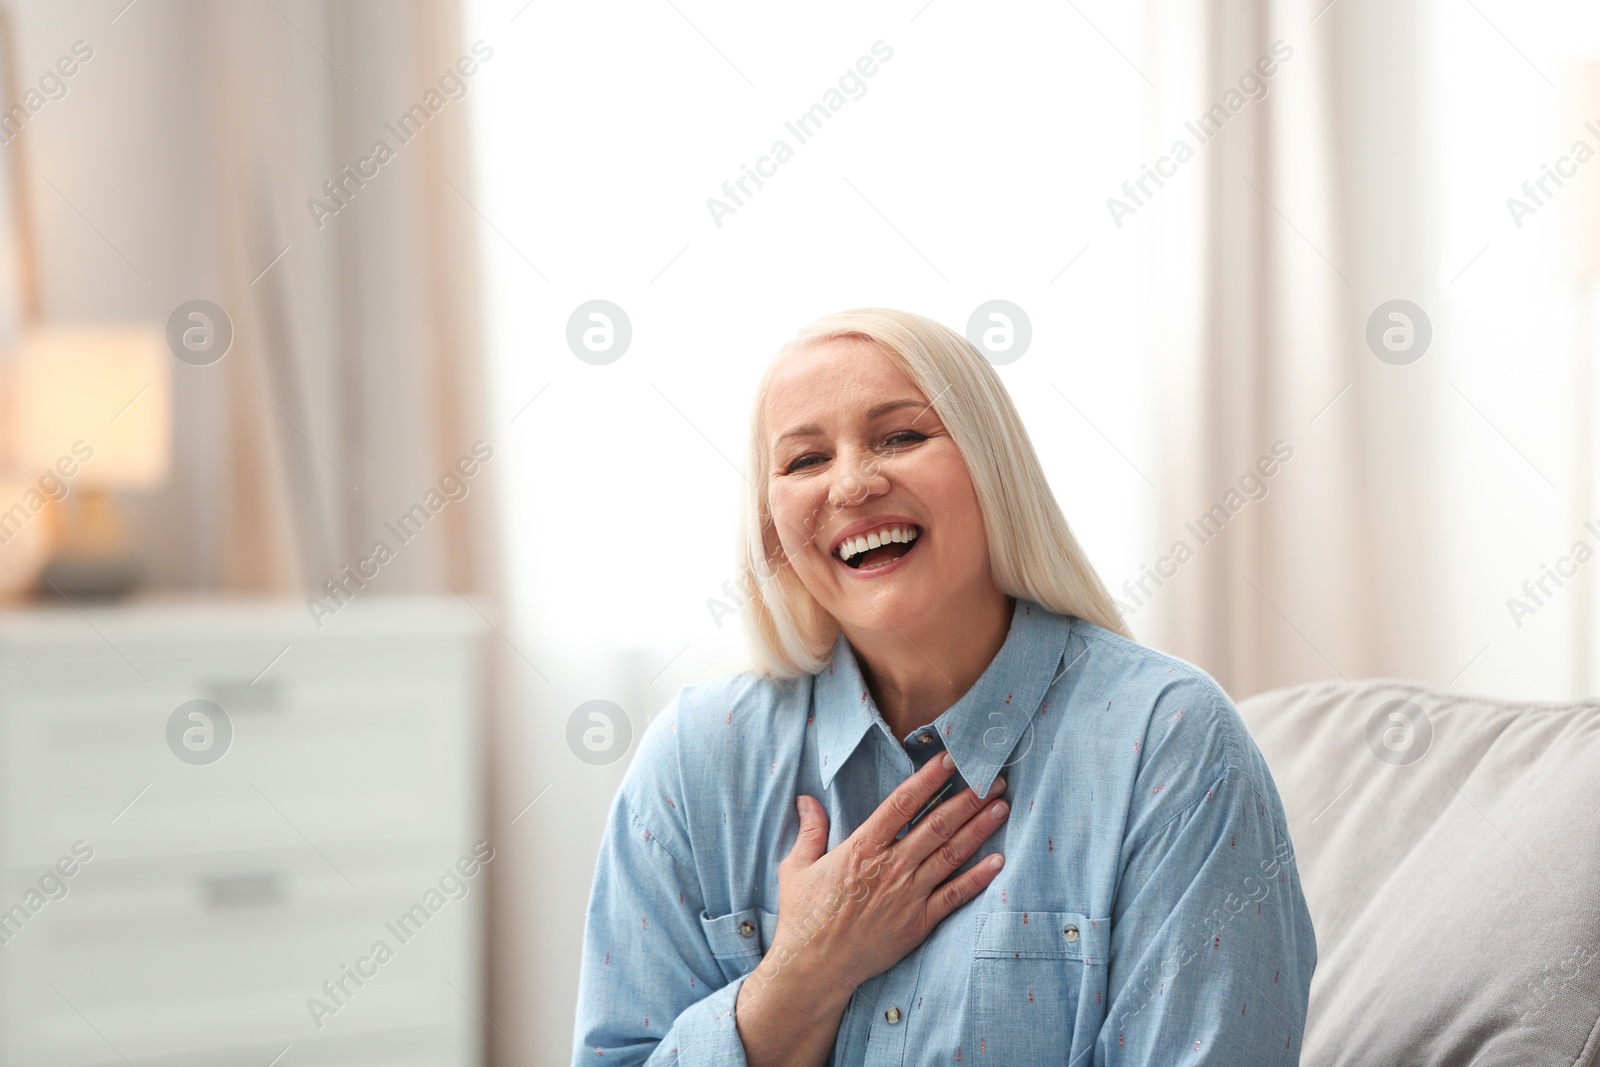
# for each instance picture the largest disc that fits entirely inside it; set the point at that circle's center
(878, 548)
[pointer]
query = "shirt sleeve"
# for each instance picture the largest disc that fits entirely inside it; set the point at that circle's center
(649, 989)
(1212, 948)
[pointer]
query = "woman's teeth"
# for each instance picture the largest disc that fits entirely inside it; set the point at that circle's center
(851, 547)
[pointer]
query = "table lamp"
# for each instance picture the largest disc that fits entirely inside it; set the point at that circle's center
(90, 412)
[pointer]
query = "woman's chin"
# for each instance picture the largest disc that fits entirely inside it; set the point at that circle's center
(887, 606)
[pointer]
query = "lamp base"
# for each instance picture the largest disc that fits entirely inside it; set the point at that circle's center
(90, 577)
(91, 560)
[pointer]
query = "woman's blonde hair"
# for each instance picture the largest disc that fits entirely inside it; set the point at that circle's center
(1032, 552)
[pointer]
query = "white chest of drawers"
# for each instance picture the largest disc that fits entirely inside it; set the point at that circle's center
(160, 910)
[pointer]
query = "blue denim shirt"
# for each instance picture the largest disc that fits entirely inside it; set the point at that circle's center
(1149, 912)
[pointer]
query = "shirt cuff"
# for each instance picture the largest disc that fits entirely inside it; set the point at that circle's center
(705, 1032)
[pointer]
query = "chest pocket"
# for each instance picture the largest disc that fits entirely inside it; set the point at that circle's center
(1038, 978)
(739, 939)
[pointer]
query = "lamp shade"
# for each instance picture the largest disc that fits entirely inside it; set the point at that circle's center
(104, 391)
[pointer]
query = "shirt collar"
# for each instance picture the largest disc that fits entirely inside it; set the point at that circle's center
(982, 729)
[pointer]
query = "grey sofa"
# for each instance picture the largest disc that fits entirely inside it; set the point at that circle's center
(1449, 847)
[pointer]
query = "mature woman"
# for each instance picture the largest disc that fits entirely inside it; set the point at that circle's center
(812, 864)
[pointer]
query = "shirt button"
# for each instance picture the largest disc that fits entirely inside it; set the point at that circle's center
(748, 929)
(893, 1015)
(925, 739)
(1071, 932)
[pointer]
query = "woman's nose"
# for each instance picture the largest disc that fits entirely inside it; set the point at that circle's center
(856, 477)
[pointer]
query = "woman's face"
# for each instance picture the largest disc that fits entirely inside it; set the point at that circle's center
(856, 447)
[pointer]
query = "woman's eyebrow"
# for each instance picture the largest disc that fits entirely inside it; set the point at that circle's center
(811, 429)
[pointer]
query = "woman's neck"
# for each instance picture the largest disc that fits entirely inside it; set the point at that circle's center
(916, 673)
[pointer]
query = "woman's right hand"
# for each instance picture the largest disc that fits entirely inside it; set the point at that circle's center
(847, 915)
(862, 907)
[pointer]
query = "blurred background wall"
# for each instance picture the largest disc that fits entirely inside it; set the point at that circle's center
(1172, 341)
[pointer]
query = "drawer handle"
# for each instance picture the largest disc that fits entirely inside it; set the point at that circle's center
(237, 696)
(221, 892)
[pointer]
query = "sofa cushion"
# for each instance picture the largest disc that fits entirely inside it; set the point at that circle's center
(1449, 847)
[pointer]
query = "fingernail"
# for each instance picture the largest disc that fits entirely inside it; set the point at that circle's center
(948, 762)
(1000, 783)
(800, 805)
(998, 812)
(995, 861)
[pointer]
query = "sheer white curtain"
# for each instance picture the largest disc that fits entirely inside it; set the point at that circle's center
(1420, 495)
(1515, 94)
(1279, 477)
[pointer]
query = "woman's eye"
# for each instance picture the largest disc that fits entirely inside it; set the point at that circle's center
(912, 437)
(798, 464)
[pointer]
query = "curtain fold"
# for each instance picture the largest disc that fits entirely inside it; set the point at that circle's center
(1283, 429)
(356, 380)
